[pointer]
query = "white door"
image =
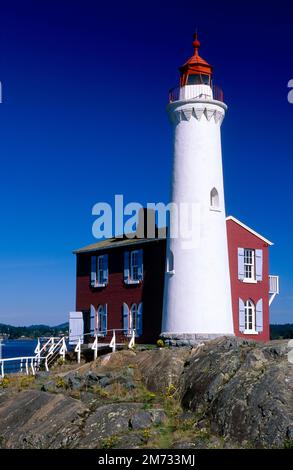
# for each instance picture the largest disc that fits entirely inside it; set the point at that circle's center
(76, 328)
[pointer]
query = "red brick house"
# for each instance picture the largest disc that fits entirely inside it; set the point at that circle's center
(252, 288)
(120, 286)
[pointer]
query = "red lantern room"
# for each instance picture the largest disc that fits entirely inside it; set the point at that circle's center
(196, 71)
(196, 79)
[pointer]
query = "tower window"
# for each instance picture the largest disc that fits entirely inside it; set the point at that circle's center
(214, 199)
(170, 262)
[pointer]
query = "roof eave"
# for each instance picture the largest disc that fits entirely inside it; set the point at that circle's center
(231, 217)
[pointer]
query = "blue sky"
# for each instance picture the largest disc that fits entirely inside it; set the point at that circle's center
(85, 86)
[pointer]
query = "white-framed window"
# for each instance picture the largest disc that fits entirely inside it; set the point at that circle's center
(249, 264)
(99, 271)
(133, 266)
(101, 319)
(250, 316)
(132, 318)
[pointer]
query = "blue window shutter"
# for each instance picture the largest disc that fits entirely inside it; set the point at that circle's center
(258, 264)
(259, 316)
(140, 265)
(126, 267)
(93, 270)
(105, 269)
(125, 319)
(92, 320)
(241, 263)
(241, 316)
(139, 319)
(105, 319)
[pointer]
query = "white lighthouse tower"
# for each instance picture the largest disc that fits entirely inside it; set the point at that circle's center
(197, 296)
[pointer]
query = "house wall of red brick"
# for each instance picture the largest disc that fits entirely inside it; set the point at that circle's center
(239, 237)
(150, 291)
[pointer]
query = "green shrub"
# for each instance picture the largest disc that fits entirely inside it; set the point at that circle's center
(5, 382)
(160, 343)
(60, 382)
(26, 381)
(108, 442)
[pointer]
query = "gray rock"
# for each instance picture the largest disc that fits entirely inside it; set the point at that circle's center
(105, 381)
(117, 419)
(246, 389)
(35, 419)
(75, 381)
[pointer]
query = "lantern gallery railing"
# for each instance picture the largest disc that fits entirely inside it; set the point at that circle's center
(218, 95)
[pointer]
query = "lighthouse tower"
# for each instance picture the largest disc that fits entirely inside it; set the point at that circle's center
(197, 295)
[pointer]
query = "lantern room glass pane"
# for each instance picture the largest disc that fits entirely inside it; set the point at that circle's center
(198, 79)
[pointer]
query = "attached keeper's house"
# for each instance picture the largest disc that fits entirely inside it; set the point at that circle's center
(120, 286)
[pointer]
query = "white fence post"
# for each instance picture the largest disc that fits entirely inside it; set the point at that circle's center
(38, 352)
(32, 366)
(2, 369)
(95, 347)
(78, 350)
(113, 342)
(63, 349)
(132, 341)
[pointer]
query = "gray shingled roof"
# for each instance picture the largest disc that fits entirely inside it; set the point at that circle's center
(117, 242)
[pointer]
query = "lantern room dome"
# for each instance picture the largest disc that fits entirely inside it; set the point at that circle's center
(196, 70)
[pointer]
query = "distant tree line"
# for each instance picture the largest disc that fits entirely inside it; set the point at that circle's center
(33, 331)
(282, 331)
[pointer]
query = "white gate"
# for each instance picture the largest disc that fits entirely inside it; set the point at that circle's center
(76, 327)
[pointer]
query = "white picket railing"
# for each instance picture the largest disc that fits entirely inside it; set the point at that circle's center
(20, 364)
(95, 346)
(46, 353)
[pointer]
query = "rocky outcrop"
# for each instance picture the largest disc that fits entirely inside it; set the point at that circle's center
(244, 388)
(224, 393)
(35, 419)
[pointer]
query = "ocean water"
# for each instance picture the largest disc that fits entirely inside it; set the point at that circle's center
(17, 348)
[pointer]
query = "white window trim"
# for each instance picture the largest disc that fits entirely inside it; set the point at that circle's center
(130, 319)
(131, 280)
(214, 209)
(250, 280)
(99, 284)
(253, 330)
(99, 333)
